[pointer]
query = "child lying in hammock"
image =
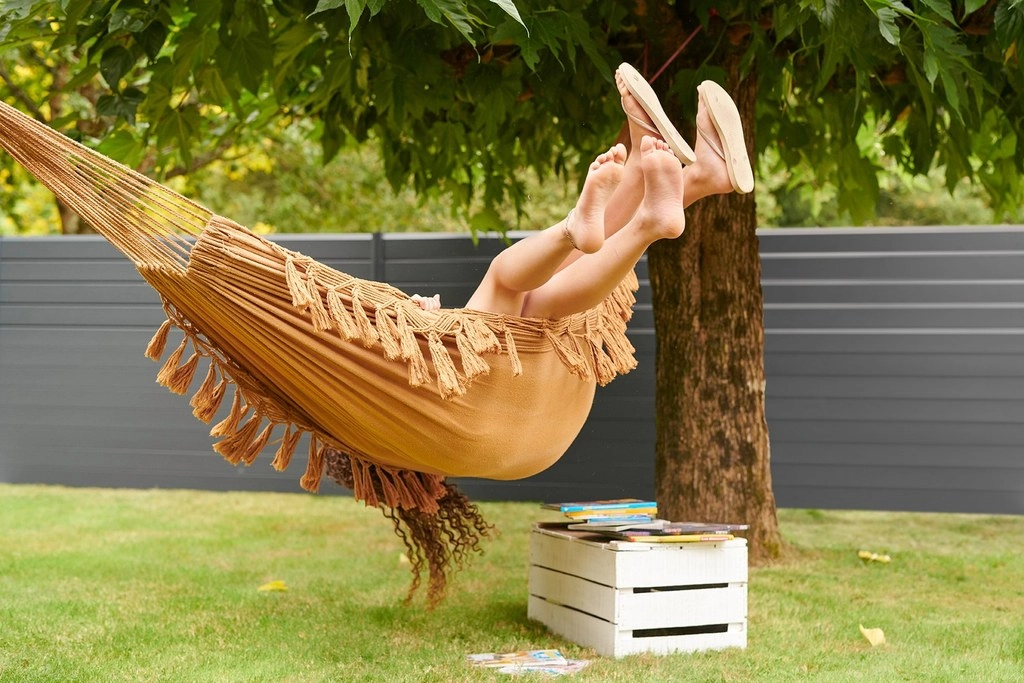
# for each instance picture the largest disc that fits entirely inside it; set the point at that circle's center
(630, 199)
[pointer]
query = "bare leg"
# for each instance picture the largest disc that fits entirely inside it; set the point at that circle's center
(586, 282)
(530, 263)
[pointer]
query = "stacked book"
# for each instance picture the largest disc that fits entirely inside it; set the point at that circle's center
(615, 511)
(631, 519)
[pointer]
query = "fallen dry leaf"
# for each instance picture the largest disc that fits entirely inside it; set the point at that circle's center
(273, 586)
(869, 556)
(875, 636)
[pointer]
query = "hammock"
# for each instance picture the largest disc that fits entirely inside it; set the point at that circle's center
(410, 396)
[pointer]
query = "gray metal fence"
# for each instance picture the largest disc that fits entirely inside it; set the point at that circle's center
(894, 360)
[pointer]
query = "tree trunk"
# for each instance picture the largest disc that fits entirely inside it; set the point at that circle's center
(712, 456)
(70, 222)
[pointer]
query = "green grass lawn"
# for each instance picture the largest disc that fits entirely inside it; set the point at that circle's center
(128, 585)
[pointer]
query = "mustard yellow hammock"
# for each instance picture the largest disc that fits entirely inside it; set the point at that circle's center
(408, 397)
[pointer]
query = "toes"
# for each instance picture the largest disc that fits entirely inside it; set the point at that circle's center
(619, 153)
(650, 144)
(616, 155)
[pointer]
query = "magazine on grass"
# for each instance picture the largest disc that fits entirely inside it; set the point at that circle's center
(524, 658)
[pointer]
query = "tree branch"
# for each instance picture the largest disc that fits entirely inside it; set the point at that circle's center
(21, 96)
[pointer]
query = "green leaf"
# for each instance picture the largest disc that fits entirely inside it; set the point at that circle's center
(211, 83)
(942, 8)
(354, 9)
(454, 11)
(931, 67)
(486, 220)
(509, 8)
(85, 74)
(952, 87)
(858, 184)
(887, 25)
(972, 6)
(120, 105)
(829, 61)
(122, 146)
(289, 45)
(1009, 24)
(12, 10)
(178, 129)
(125, 20)
(248, 57)
(114, 64)
(946, 57)
(152, 38)
(326, 5)
(785, 20)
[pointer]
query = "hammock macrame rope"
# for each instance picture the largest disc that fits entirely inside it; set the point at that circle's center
(303, 349)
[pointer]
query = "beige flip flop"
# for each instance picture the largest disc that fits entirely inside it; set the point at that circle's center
(726, 119)
(642, 91)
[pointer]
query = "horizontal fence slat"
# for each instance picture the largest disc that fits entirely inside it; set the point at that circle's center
(978, 365)
(830, 292)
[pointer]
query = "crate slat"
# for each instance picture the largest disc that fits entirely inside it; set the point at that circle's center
(610, 641)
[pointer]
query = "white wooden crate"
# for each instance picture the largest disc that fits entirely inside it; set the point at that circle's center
(622, 598)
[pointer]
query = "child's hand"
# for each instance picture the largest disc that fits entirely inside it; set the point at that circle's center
(432, 303)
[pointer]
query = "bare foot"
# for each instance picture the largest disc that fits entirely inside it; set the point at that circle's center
(638, 120)
(428, 303)
(585, 224)
(661, 211)
(708, 175)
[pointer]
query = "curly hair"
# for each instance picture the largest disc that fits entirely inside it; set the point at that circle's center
(439, 541)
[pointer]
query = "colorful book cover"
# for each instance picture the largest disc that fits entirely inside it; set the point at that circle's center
(677, 529)
(685, 538)
(606, 520)
(612, 504)
(582, 515)
(617, 525)
(570, 667)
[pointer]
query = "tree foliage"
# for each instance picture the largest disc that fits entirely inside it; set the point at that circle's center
(849, 90)
(461, 95)
(172, 84)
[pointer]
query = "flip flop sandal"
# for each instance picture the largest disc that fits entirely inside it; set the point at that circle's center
(726, 119)
(641, 90)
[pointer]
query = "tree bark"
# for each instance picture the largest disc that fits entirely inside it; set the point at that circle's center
(70, 222)
(712, 459)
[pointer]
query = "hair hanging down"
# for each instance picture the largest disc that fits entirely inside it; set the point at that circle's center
(438, 541)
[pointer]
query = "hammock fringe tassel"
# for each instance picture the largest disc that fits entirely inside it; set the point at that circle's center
(599, 350)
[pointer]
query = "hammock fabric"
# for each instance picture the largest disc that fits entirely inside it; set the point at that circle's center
(410, 396)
